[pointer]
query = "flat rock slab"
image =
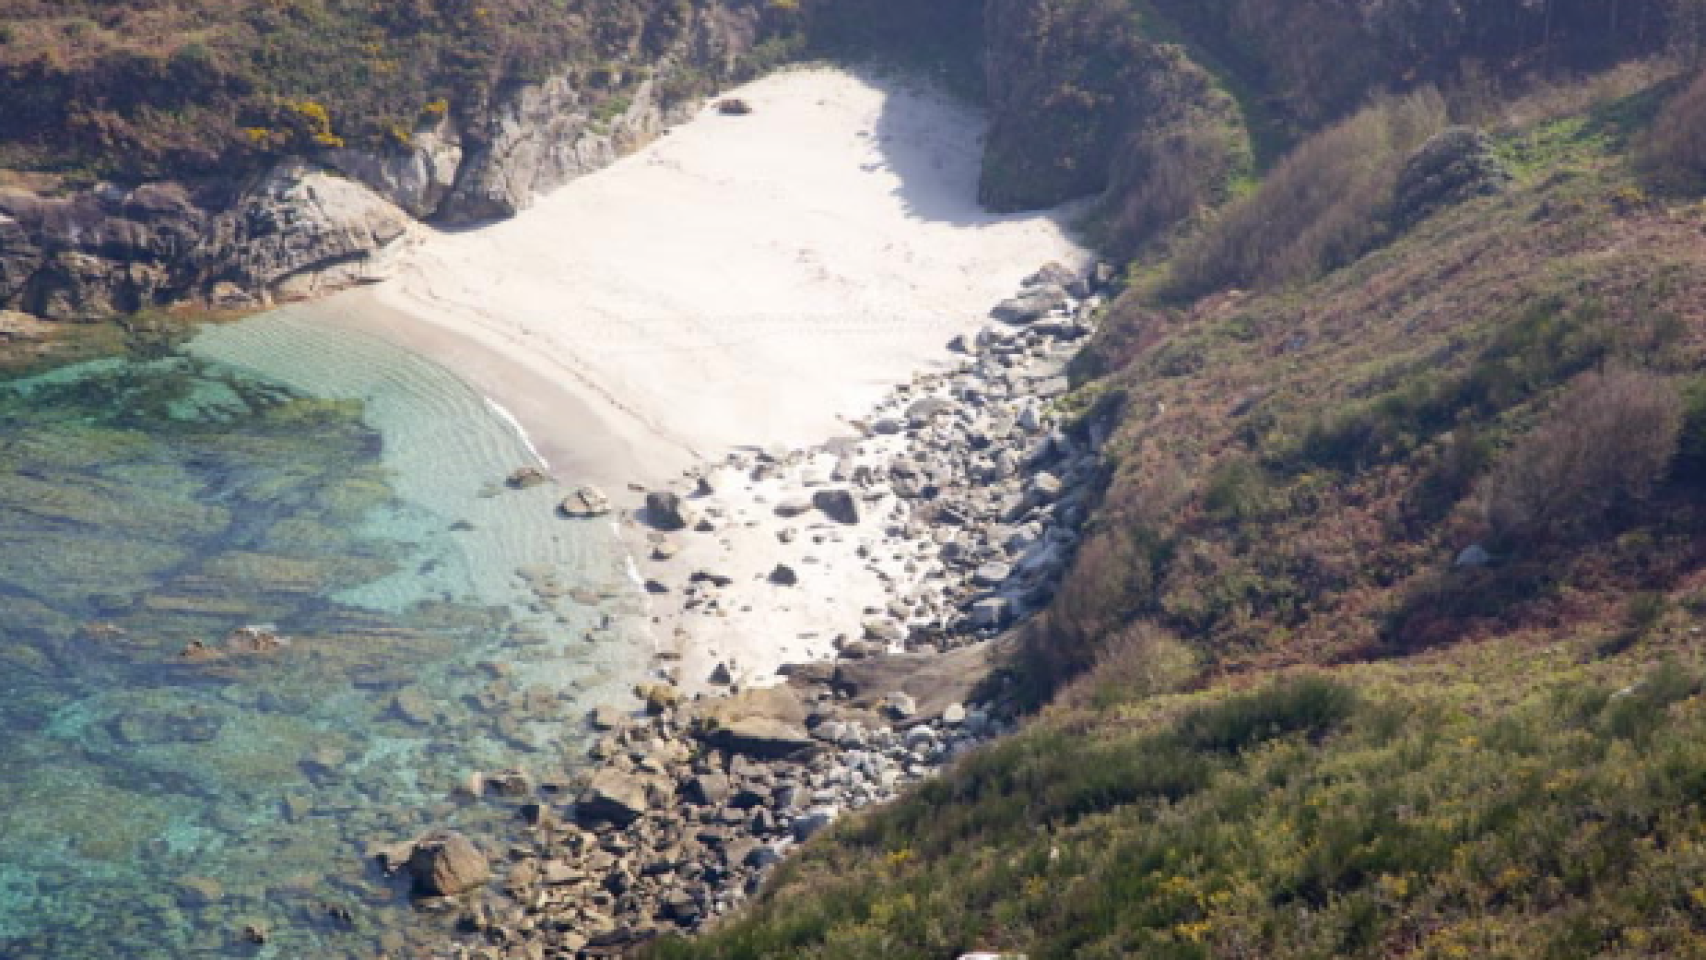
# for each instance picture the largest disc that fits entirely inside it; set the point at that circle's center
(935, 681)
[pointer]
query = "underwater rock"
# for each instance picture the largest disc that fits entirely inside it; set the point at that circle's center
(525, 477)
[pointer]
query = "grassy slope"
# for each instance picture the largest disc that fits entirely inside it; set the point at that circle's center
(1497, 762)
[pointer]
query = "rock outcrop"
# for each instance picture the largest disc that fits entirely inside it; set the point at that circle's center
(305, 227)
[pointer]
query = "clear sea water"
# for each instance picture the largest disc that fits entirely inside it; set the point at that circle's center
(349, 497)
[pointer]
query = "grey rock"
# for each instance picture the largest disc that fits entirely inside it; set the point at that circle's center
(813, 823)
(838, 505)
(585, 501)
(668, 511)
(991, 612)
(992, 575)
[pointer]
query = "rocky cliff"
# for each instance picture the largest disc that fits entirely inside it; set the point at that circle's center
(308, 225)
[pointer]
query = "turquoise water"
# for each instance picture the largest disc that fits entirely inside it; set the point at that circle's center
(345, 496)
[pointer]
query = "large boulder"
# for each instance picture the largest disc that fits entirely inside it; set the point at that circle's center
(447, 863)
(838, 505)
(668, 511)
(1031, 305)
(585, 501)
(767, 723)
(613, 796)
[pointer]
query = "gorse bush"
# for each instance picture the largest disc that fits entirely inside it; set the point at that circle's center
(1604, 447)
(1324, 205)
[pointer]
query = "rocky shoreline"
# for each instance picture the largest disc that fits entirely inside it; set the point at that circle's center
(963, 492)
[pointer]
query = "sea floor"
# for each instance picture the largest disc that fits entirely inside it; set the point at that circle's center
(170, 783)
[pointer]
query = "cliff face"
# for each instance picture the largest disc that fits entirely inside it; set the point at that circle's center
(307, 226)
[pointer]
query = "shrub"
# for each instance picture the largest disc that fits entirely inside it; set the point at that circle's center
(1143, 660)
(1310, 705)
(1610, 439)
(1323, 206)
(1674, 150)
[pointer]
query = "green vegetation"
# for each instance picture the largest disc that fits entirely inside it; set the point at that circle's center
(1519, 804)
(1277, 718)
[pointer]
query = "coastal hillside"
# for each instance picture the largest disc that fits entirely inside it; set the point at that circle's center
(1361, 614)
(1384, 638)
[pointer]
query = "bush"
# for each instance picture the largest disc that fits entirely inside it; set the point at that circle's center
(1141, 661)
(1674, 150)
(1310, 705)
(1323, 206)
(1608, 442)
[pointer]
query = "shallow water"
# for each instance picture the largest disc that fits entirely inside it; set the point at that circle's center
(345, 493)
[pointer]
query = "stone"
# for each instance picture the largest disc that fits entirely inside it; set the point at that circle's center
(585, 501)
(612, 796)
(838, 505)
(606, 718)
(708, 789)
(760, 736)
(793, 507)
(991, 612)
(954, 714)
(733, 107)
(1044, 488)
(659, 697)
(413, 705)
(812, 823)
(197, 892)
(1031, 305)
(668, 511)
(784, 576)
(900, 706)
(990, 575)
(921, 412)
(446, 864)
(886, 631)
(1473, 555)
(720, 675)
(523, 478)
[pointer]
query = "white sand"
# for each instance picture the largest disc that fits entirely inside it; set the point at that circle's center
(744, 282)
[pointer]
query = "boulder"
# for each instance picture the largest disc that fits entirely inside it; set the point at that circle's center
(838, 505)
(991, 575)
(708, 789)
(447, 863)
(523, 478)
(767, 723)
(991, 612)
(667, 511)
(612, 796)
(585, 501)
(1031, 305)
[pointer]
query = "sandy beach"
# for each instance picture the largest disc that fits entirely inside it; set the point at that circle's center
(745, 283)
